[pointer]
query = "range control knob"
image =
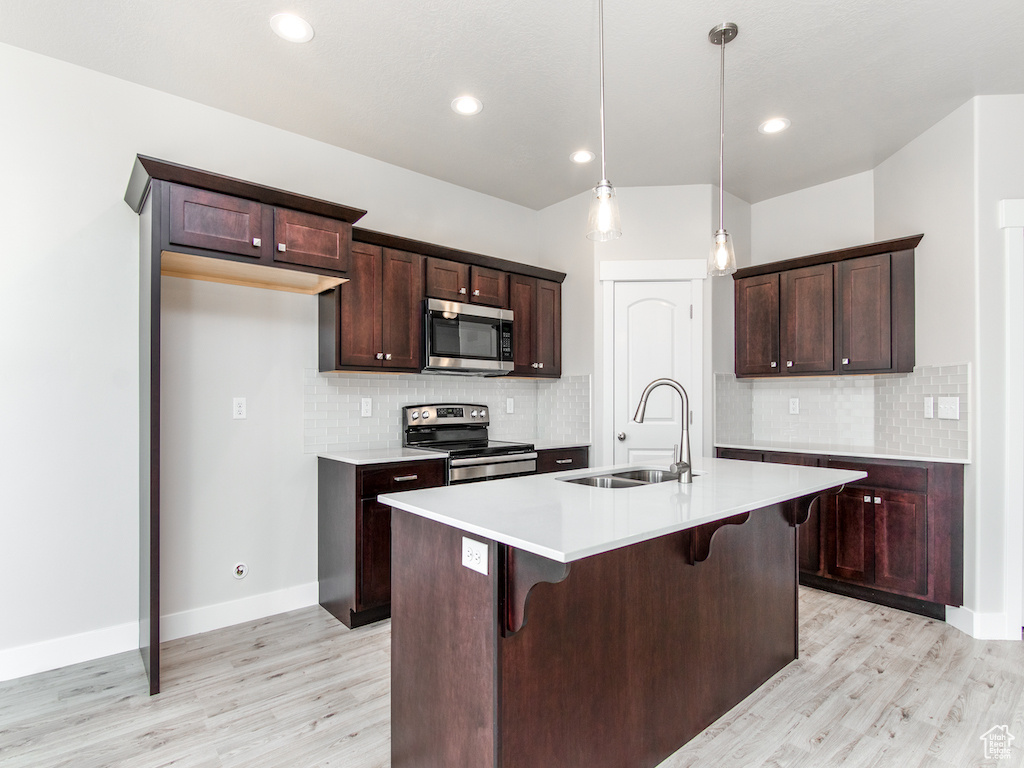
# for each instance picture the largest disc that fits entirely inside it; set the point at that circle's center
(483, 413)
(425, 414)
(415, 415)
(474, 414)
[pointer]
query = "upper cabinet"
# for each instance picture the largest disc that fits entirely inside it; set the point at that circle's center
(849, 311)
(537, 327)
(457, 281)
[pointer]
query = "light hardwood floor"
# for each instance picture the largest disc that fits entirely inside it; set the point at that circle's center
(873, 687)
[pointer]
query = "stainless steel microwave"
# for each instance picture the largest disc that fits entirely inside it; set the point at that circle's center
(467, 339)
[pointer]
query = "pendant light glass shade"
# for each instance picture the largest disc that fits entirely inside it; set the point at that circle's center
(603, 221)
(722, 259)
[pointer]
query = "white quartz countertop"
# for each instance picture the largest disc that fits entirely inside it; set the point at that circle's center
(838, 449)
(567, 521)
(381, 455)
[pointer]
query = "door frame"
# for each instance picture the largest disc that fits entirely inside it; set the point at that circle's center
(648, 270)
(1011, 221)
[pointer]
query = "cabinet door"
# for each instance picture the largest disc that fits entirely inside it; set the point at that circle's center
(448, 280)
(521, 298)
(360, 338)
(866, 314)
(757, 325)
(849, 536)
(739, 454)
(547, 323)
(216, 222)
(488, 286)
(901, 541)
(310, 240)
(373, 540)
(402, 321)
(805, 306)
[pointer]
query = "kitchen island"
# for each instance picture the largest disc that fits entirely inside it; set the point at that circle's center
(589, 626)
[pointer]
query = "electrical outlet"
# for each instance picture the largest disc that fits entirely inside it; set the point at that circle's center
(510, 405)
(366, 406)
(238, 408)
(929, 407)
(794, 405)
(949, 408)
(474, 554)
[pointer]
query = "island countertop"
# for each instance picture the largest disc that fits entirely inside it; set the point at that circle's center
(564, 521)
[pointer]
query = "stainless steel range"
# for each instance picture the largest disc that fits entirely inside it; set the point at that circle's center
(460, 430)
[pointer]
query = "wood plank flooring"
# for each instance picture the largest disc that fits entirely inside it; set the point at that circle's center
(874, 687)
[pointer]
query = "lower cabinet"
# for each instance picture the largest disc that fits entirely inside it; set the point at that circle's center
(562, 459)
(354, 533)
(895, 538)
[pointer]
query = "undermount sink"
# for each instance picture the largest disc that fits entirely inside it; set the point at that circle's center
(629, 478)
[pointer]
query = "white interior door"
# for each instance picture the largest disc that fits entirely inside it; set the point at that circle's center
(653, 332)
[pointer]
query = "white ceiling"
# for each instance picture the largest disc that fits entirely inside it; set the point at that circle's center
(858, 79)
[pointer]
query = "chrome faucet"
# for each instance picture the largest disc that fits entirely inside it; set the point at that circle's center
(682, 463)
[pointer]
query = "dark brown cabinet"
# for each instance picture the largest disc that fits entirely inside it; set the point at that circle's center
(375, 320)
(849, 311)
(537, 328)
(354, 533)
(455, 281)
(562, 459)
(894, 538)
(217, 224)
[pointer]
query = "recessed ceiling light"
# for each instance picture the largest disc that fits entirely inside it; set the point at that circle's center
(774, 125)
(582, 156)
(467, 105)
(291, 27)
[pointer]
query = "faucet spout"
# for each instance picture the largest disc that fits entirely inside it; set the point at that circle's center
(682, 463)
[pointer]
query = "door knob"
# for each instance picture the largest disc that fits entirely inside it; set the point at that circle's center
(621, 435)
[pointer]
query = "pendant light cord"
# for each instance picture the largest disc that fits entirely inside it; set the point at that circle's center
(721, 145)
(600, 23)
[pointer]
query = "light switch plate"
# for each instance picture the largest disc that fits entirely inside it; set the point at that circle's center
(510, 405)
(949, 408)
(929, 407)
(474, 554)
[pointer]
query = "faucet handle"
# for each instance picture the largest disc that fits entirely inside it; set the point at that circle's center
(677, 458)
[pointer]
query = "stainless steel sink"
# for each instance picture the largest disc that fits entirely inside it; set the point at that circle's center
(605, 481)
(648, 475)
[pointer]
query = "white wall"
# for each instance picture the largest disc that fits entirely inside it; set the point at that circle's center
(825, 217)
(68, 299)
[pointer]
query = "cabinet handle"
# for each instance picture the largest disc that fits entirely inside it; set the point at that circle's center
(774, 364)
(387, 356)
(476, 292)
(533, 365)
(563, 461)
(380, 355)
(878, 499)
(256, 242)
(846, 361)
(789, 363)
(406, 478)
(282, 247)
(867, 499)
(462, 290)
(540, 365)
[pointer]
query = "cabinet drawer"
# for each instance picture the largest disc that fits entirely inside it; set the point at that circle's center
(740, 454)
(559, 460)
(406, 476)
(898, 476)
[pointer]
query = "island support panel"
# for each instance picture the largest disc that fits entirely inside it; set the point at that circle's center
(621, 663)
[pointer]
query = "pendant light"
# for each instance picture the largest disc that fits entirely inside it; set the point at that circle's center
(722, 259)
(603, 221)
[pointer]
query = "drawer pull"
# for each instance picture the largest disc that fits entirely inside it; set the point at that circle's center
(878, 499)
(563, 461)
(406, 478)
(867, 499)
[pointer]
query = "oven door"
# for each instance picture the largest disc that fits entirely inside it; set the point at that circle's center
(463, 338)
(470, 470)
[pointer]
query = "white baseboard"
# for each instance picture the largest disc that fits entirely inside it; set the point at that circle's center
(196, 620)
(86, 646)
(982, 626)
(71, 649)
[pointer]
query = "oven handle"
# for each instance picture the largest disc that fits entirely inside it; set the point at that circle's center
(476, 461)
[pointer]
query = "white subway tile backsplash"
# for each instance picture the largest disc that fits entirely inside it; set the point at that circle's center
(883, 412)
(546, 411)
